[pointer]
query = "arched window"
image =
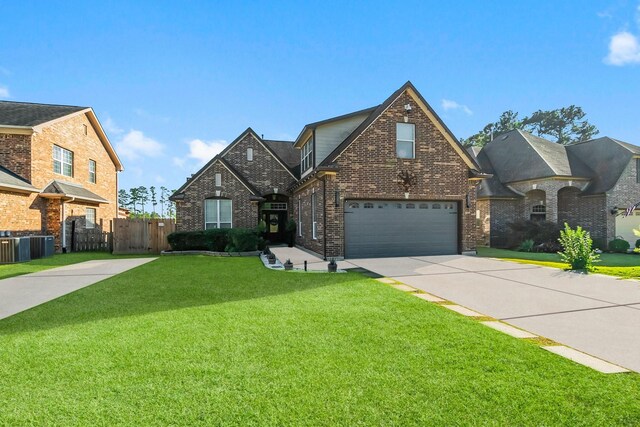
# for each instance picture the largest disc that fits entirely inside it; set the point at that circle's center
(368, 205)
(354, 205)
(436, 206)
(411, 206)
(424, 206)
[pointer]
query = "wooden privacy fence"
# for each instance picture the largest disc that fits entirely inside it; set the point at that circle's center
(141, 236)
(92, 240)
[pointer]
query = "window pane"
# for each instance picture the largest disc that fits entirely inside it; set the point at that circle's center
(225, 211)
(57, 166)
(225, 225)
(405, 131)
(67, 170)
(210, 211)
(404, 150)
(210, 225)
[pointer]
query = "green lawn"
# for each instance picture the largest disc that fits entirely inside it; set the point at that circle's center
(626, 266)
(58, 260)
(222, 341)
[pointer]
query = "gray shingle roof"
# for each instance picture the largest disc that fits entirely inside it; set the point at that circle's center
(519, 156)
(491, 187)
(30, 114)
(10, 180)
(607, 157)
(284, 149)
(73, 190)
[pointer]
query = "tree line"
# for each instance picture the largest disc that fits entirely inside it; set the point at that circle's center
(143, 202)
(565, 125)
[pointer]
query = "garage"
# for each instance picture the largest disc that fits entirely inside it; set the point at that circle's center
(389, 228)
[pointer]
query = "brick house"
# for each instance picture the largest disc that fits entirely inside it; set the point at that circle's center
(57, 168)
(588, 184)
(390, 180)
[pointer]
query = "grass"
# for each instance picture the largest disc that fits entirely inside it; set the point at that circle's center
(222, 341)
(58, 260)
(626, 266)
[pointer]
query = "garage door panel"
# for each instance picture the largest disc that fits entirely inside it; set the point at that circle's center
(389, 228)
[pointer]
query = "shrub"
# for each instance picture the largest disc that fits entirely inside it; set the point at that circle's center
(538, 231)
(526, 246)
(577, 252)
(637, 243)
(242, 240)
(619, 245)
(201, 240)
(549, 247)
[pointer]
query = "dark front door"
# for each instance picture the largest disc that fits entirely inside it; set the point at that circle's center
(275, 222)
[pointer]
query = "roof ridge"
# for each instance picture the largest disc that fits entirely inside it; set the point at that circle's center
(540, 153)
(42, 103)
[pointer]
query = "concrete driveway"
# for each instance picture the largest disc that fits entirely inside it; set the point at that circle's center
(596, 314)
(23, 292)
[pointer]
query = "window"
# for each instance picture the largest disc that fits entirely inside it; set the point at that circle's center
(538, 213)
(405, 140)
(314, 224)
(250, 154)
(368, 205)
(398, 205)
(423, 206)
(92, 171)
(306, 155)
(62, 161)
(218, 180)
(299, 217)
(436, 206)
(274, 206)
(638, 171)
(411, 206)
(217, 213)
(84, 129)
(90, 218)
(354, 205)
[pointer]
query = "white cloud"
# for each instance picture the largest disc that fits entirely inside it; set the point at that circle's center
(4, 92)
(204, 151)
(135, 145)
(624, 48)
(448, 104)
(179, 161)
(110, 126)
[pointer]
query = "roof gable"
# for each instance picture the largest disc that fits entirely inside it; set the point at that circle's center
(266, 146)
(425, 107)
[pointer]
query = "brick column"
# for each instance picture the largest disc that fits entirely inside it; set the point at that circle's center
(54, 222)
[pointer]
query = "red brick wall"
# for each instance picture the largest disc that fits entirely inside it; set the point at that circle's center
(190, 210)
(368, 169)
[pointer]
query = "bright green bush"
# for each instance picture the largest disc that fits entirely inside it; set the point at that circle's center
(578, 251)
(619, 246)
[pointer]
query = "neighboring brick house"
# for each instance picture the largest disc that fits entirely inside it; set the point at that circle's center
(389, 180)
(57, 166)
(588, 184)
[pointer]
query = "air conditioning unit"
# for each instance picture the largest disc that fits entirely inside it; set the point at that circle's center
(14, 249)
(42, 246)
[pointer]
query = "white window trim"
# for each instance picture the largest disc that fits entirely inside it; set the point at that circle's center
(61, 160)
(218, 222)
(412, 141)
(299, 217)
(89, 225)
(306, 156)
(314, 224)
(250, 154)
(218, 180)
(93, 172)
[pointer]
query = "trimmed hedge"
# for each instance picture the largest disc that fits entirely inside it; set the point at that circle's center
(217, 240)
(619, 245)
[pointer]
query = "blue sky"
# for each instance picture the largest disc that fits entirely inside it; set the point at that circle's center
(173, 82)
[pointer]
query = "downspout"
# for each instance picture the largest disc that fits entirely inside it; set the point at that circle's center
(64, 226)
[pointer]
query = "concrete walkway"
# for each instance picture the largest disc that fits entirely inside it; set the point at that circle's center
(596, 314)
(23, 292)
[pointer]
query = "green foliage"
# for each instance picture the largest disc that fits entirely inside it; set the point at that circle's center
(290, 226)
(619, 245)
(242, 240)
(638, 243)
(526, 246)
(538, 231)
(261, 228)
(563, 125)
(216, 240)
(577, 245)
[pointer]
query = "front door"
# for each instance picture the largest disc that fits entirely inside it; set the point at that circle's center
(275, 222)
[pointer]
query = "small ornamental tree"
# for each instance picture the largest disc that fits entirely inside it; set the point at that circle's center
(578, 251)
